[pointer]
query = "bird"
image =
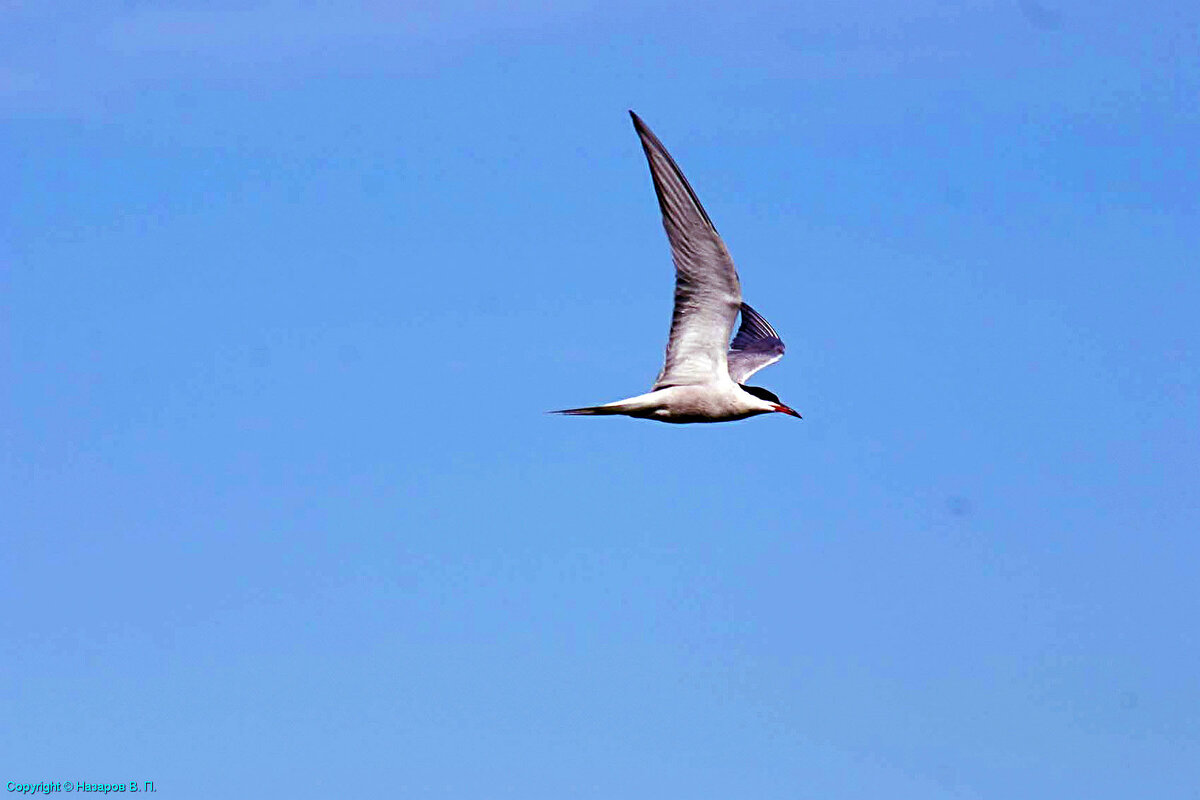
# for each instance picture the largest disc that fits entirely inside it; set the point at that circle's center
(703, 377)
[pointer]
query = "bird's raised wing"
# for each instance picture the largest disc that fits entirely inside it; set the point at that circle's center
(756, 345)
(707, 290)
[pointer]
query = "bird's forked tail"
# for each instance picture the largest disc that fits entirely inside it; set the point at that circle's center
(611, 408)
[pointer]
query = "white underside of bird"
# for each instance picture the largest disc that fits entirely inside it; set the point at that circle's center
(703, 375)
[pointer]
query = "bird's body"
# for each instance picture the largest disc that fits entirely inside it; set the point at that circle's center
(703, 374)
(719, 401)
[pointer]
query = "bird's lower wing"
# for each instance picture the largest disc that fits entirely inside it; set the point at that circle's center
(707, 290)
(755, 346)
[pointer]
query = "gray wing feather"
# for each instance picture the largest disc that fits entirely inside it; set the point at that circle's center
(755, 346)
(707, 290)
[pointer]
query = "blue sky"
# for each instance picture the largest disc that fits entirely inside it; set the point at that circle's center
(287, 288)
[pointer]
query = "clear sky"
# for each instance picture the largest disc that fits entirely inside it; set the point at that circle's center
(286, 289)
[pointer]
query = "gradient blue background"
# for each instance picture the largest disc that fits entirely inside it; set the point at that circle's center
(287, 288)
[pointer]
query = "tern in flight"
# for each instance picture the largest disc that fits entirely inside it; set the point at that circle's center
(703, 377)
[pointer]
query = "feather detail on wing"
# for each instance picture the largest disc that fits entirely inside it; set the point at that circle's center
(756, 345)
(707, 291)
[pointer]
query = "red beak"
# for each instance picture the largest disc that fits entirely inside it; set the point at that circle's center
(786, 410)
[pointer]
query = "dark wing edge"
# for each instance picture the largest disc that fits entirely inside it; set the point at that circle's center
(657, 148)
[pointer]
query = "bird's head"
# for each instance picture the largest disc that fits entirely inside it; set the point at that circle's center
(772, 400)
